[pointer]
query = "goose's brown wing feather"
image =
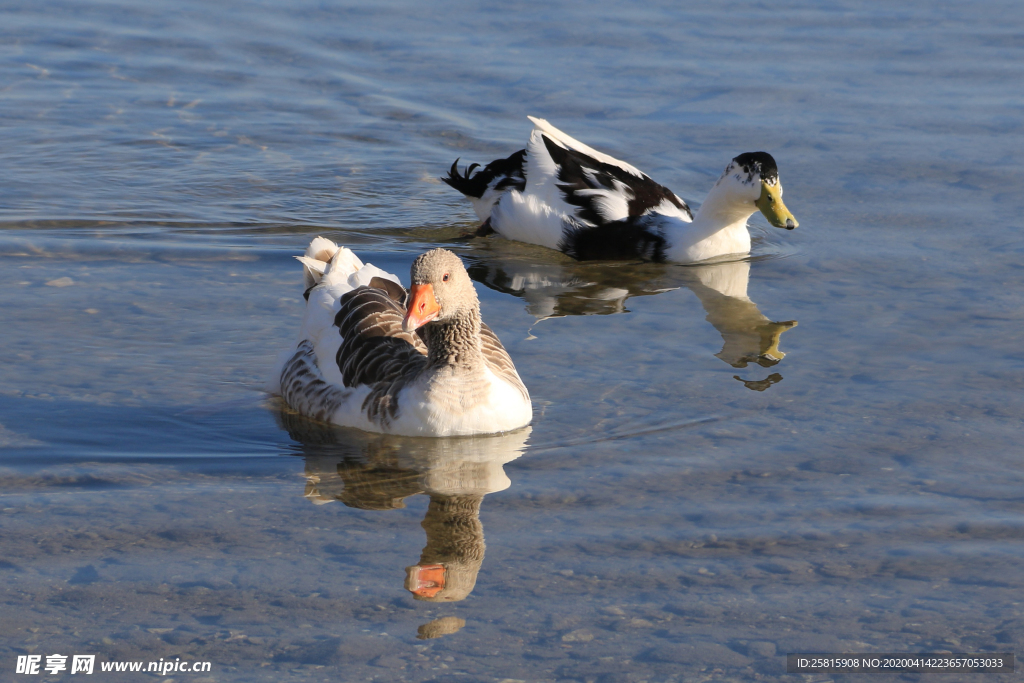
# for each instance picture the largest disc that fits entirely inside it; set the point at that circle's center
(374, 346)
(374, 351)
(498, 360)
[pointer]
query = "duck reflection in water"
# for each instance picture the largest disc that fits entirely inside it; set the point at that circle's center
(554, 289)
(379, 472)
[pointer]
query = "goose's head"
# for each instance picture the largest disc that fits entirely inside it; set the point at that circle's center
(441, 289)
(754, 177)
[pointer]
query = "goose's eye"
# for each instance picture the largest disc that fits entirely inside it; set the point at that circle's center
(445, 278)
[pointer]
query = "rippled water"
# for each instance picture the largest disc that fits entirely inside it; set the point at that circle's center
(712, 480)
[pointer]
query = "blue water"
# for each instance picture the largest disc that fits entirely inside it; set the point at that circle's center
(705, 486)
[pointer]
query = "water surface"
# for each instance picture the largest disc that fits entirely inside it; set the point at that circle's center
(706, 485)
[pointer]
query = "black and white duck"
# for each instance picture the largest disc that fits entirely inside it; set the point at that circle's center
(562, 194)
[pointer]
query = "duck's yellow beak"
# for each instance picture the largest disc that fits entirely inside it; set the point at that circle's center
(770, 204)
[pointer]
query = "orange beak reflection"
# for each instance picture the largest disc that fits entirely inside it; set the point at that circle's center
(425, 580)
(423, 307)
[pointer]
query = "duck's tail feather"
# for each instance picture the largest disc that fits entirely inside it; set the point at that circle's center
(486, 185)
(466, 182)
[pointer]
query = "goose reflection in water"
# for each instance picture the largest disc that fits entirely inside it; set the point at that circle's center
(555, 289)
(379, 472)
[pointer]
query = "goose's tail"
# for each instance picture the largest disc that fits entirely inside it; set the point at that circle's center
(323, 257)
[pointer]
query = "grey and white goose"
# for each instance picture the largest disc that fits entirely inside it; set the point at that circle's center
(562, 194)
(420, 363)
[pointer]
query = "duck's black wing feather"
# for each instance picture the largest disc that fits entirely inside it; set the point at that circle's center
(586, 183)
(637, 237)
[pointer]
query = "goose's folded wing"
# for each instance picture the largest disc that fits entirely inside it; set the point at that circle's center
(374, 346)
(498, 360)
(604, 192)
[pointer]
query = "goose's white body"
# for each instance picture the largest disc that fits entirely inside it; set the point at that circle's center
(565, 195)
(310, 378)
(431, 412)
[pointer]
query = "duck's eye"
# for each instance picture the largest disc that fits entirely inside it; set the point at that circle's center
(445, 278)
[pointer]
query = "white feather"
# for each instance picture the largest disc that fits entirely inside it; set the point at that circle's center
(527, 218)
(667, 208)
(541, 175)
(612, 204)
(321, 249)
(574, 144)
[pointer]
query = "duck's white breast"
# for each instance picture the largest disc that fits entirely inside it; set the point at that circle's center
(687, 247)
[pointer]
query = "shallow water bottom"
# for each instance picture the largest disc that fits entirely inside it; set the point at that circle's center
(595, 569)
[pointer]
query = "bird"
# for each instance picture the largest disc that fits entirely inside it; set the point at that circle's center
(374, 356)
(556, 288)
(562, 194)
(381, 472)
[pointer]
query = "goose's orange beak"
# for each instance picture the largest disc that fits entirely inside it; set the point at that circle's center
(425, 580)
(423, 307)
